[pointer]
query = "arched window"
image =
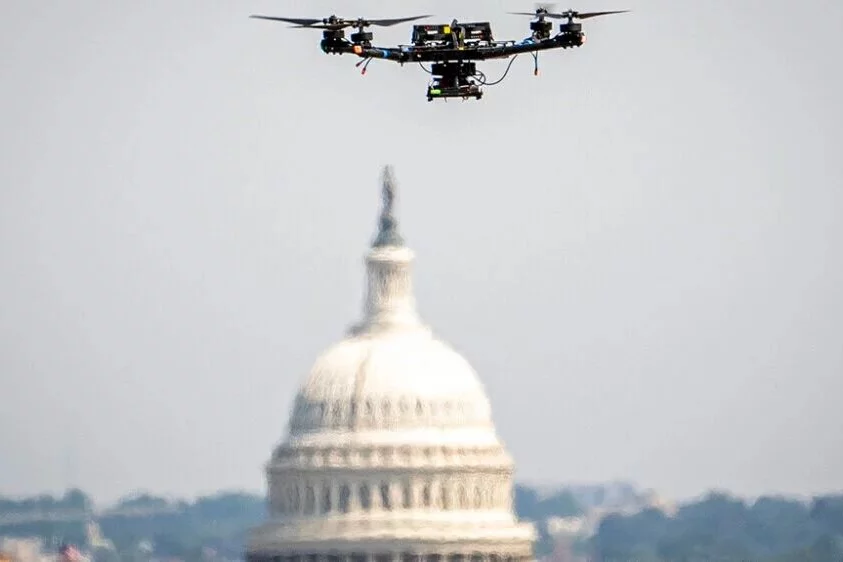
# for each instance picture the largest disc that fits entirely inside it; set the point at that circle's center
(345, 499)
(426, 495)
(463, 497)
(386, 501)
(309, 501)
(407, 494)
(478, 498)
(326, 497)
(365, 497)
(443, 497)
(296, 499)
(281, 502)
(288, 504)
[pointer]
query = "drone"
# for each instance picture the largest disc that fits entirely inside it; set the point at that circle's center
(452, 49)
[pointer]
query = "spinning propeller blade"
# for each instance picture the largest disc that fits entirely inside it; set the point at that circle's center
(595, 14)
(300, 22)
(396, 21)
(335, 23)
(542, 12)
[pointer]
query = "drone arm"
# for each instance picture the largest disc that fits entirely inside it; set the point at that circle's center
(561, 41)
(366, 52)
(379, 53)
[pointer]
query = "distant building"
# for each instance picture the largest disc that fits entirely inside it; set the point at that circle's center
(24, 550)
(566, 525)
(96, 540)
(391, 454)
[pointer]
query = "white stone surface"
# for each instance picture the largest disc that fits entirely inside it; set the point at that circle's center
(391, 449)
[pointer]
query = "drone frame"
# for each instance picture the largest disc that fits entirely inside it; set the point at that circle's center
(455, 48)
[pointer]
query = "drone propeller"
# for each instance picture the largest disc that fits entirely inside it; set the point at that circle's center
(586, 15)
(335, 23)
(542, 12)
(300, 22)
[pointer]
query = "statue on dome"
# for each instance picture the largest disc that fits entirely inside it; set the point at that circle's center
(388, 191)
(388, 231)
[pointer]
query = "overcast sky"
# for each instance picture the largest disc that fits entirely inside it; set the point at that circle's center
(638, 250)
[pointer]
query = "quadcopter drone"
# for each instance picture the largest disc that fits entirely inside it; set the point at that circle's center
(451, 48)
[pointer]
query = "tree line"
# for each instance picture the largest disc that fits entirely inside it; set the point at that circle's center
(724, 528)
(718, 527)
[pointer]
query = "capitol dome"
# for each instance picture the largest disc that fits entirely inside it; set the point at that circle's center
(391, 451)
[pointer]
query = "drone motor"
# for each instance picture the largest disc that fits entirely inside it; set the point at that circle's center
(541, 29)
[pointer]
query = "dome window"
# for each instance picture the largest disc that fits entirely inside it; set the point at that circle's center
(288, 504)
(386, 500)
(408, 496)
(463, 496)
(345, 499)
(296, 499)
(326, 497)
(365, 497)
(443, 497)
(309, 501)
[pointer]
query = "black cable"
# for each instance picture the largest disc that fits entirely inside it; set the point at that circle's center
(505, 72)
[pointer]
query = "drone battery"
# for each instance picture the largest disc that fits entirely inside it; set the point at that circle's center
(476, 31)
(425, 34)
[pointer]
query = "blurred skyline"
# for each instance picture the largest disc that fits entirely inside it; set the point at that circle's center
(637, 250)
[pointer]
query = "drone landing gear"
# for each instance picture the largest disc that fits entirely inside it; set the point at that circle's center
(454, 80)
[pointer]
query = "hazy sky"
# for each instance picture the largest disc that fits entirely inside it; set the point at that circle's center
(639, 250)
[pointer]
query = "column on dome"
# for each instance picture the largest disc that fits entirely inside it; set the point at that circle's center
(375, 494)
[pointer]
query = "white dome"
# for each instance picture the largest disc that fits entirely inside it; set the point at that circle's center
(391, 447)
(390, 381)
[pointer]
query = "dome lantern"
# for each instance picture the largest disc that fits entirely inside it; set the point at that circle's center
(390, 302)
